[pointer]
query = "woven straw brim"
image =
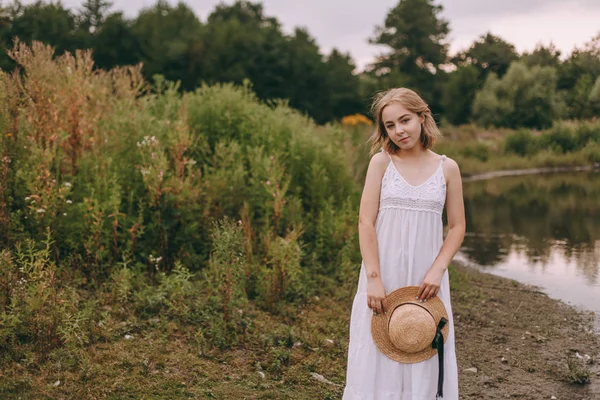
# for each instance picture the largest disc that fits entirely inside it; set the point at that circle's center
(379, 324)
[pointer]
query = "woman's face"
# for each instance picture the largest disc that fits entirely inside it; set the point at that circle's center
(402, 126)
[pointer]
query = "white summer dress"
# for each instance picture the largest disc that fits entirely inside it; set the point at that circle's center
(409, 236)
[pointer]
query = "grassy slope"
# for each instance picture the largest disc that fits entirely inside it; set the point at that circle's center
(164, 361)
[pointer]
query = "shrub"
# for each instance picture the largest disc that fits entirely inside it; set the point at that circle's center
(560, 139)
(521, 143)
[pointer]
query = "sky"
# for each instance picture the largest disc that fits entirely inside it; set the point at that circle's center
(348, 24)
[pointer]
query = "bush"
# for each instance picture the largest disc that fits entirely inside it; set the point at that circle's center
(521, 143)
(560, 139)
(586, 133)
(179, 205)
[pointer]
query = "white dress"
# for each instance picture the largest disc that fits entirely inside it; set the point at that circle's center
(409, 236)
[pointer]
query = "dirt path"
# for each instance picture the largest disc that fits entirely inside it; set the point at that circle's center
(520, 341)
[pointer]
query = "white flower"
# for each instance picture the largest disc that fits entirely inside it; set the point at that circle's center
(27, 198)
(69, 201)
(65, 214)
(68, 184)
(41, 210)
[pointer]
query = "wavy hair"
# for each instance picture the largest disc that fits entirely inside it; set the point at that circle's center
(413, 103)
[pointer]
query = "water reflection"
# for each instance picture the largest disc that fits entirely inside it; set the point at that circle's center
(542, 219)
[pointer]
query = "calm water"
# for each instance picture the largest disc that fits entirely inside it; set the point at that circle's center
(542, 230)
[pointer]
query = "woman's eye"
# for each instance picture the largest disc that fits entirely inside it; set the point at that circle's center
(405, 121)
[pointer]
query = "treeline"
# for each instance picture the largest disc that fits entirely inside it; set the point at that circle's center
(489, 83)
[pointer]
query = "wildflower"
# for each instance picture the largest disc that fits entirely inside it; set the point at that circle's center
(239, 222)
(41, 210)
(27, 198)
(268, 183)
(69, 202)
(68, 184)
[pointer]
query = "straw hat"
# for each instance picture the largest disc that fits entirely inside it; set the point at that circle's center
(407, 331)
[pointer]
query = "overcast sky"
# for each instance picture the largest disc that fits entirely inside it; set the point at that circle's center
(347, 24)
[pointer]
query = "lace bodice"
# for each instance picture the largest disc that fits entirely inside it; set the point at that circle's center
(396, 192)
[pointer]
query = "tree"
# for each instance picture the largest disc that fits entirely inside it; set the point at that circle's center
(489, 53)
(309, 91)
(343, 85)
(595, 98)
(542, 56)
(167, 38)
(240, 42)
(577, 76)
(114, 43)
(415, 36)
(49, 23)
(5, 38)
(93, 14)
(459, 93)
(524, 97)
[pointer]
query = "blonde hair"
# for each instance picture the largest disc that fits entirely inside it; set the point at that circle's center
(413, 103)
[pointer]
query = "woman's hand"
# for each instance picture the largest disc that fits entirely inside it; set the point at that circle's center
(431, 284)
(375, 295)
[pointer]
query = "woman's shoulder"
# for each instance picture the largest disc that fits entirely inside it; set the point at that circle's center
(449, 165)
(380, 159)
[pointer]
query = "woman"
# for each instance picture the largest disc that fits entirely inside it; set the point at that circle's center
(401, 241)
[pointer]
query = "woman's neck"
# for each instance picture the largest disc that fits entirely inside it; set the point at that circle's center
(412, 153)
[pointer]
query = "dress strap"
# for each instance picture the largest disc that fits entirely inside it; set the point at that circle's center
(442, 159)
(388, 154)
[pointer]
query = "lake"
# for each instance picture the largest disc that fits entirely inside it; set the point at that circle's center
(542, 230)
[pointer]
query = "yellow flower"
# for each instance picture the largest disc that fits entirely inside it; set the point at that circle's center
(356, 119)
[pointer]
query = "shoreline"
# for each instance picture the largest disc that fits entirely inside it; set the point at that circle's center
(529, 171)
(461, 259)
(521, 342)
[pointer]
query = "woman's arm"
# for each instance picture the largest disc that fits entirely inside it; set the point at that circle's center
(369, 208)
(455, 210)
